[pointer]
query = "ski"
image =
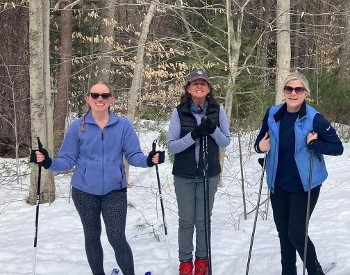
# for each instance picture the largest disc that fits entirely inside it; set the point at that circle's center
(115, 271)
(328, 267)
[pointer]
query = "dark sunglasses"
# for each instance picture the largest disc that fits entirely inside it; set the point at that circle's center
(104, 96)
(298, 90)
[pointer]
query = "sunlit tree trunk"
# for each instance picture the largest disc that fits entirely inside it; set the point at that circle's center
(40, 96)
(283, 46)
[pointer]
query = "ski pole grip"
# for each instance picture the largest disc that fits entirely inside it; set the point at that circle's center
(154, 145)
(40, 146)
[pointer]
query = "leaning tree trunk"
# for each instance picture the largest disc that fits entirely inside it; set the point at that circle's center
(137, 79)
(40, 96)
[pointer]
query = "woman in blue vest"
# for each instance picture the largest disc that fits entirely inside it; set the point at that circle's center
(289, 132)
(197, 116)
(95, 145)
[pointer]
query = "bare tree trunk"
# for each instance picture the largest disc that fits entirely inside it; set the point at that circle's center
(283, 46)
(61, 100)
(137, 79)
(41, 104)
(107, 34)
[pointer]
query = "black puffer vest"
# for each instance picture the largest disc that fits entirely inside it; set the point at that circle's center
(185, 164)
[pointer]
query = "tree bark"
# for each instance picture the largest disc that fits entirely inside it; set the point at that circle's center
(40, 95)
(283, 46)
(107, 35)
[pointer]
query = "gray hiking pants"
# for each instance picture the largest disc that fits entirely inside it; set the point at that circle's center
(190, 200)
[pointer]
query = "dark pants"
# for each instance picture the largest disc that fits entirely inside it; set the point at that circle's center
(113, 207)
(289, 212)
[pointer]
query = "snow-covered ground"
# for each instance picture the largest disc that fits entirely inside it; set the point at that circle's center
(61, 251)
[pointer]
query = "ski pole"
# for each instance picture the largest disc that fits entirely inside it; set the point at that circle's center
(154, 144)
(308, 212)
(256, 214)
(206, 203)
(37, 211)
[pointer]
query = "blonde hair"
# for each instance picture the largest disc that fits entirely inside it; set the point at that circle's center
(300, 77)
(82, 125)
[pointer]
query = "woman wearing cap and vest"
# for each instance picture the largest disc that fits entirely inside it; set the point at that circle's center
(198, 115)
(289, 132)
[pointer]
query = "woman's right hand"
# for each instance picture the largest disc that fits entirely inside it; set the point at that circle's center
(264, 144)
(39, 156)
(43, 158)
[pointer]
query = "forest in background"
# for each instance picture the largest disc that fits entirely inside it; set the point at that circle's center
(145, 50)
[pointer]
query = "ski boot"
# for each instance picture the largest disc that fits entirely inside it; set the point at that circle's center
(316, 269)
(201, 266)
(186, 268)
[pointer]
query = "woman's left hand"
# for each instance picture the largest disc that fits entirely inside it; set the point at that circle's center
(154, 158)
(311, 136)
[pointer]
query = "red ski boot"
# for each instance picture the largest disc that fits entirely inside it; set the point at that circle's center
(201, 266)
(186, 268)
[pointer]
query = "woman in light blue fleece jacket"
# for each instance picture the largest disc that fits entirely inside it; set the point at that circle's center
(95, 146)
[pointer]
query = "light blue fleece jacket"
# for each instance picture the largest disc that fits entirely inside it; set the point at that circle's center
(98, 154)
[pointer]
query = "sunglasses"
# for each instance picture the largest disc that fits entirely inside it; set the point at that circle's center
(97, 95)
(298, 90)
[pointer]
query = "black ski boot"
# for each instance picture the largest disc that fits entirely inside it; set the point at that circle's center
(316, 269)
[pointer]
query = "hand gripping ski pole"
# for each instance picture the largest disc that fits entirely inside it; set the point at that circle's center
(154, 144)
(37, 211)
(308, 212)
(256, 214)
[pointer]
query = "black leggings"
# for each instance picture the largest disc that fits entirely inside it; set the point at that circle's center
(113, 207)
(289, 212)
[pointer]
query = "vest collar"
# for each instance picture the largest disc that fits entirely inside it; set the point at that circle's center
(301, 113)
